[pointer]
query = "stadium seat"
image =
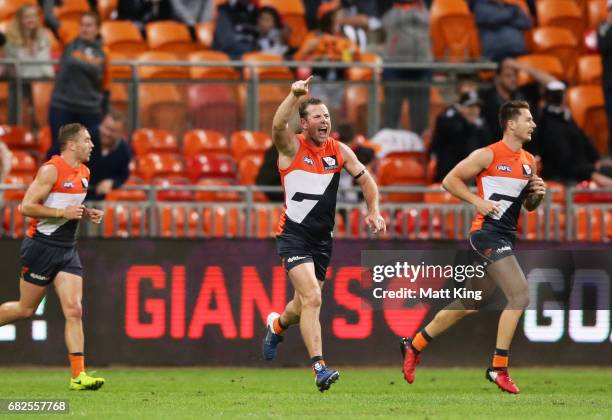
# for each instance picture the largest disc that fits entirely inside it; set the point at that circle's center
(161, 71)
(356, 105)
(587, 106)
(199, 72)
(151, 140)
(265, 221)
(17, 194)
(22, 163)
(216, 195)
(361, 73)
(126, 195)
(8, 8)
(558, 196)
(119, 71)
(559, 42)
(269, 97)
(248, 142)
(561, 13)
(122, 36)
(41, 98)
(266, 73)
(223, 222)
(205, 32)
(169, 36)
(211, 166)
(397, 169)
(448, 221)
(588, 224)
(124, 220)
(204, 141)
(179, 222)
(597, 11)
(214, 106)
(119, 99)
(159, 165)
(71, 10)
(172, 194)
(453, 31)
(248, 168)
(106, 8)
(43, 140)
(17, 138)
(56, 45)
(293, 15)
(589, 70)
(162, 106)
(544, 62)
(68, 31)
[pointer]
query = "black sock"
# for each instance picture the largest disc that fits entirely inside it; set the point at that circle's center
(78, 353)
(315, 359)
(501, 352)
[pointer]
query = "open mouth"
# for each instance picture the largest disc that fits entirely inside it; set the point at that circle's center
(323, 131)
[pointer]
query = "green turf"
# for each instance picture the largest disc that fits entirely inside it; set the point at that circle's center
(290, 393)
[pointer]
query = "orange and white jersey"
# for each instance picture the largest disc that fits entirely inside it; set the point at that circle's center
(69, 189)
(310, 184)
(504, 182)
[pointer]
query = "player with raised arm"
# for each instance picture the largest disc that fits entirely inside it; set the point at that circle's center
(506, 179)
(49, 254)
(310, 165)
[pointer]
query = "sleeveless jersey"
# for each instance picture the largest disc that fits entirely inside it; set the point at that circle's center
(310, 186)
(504, 182)
(69, 189)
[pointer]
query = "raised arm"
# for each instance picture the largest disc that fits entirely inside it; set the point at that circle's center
(370, 191)
(468, 168)
(284, 138)
(39, 189)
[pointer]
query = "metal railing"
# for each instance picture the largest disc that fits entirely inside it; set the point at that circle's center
(250, 218)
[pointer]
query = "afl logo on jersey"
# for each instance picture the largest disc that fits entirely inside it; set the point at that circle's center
(85, 182)
(308, 160)
(68, 185)
(504, 168)
(526, 170)
(329, 163)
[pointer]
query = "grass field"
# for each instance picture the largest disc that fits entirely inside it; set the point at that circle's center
(290, 393)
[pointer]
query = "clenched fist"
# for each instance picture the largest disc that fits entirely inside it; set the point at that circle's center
(300, 87)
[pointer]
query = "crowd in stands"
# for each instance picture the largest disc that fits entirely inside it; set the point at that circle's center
(394, 31)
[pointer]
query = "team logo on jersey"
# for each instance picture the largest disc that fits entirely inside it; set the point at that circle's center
(504, 168)
(85, 182)
(329, 163)
(526, 170)
(68, 184)
(308, 160)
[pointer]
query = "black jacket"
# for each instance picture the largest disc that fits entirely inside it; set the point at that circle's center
(604, 43)
(115, 166)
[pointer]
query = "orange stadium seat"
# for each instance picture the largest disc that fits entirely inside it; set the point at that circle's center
(17, 195)
(561, 13)
(559, 42)
(589, 70)
(216, 195)
(155, 165)
(106, 8)
(43, 139)
(356, 105)
(71, 10)
(266, 73)
(199, 72)
(122, 36)
(161, 71)
(588, 224)
(126, 195)
(151, 140)
(17, 138)
(119, 99)
(293, 15)
(587, 106)
(452, 222)
(205, 33)
(41, 96)
(8, 8)
(597, 10)
(214, 106)
(204, 141)
(119, 71)
(162, 106)
(22, 163)
(220, 222)
(453, 31)
(169, 36)
(68, 30)
(172, 194)
(248, 168)
(211, 166)
(544, 62)
(248, 142)
(124, 220)
(399, 169)
(56, 46)
(179, 222)
(265, 221)
(361, 73)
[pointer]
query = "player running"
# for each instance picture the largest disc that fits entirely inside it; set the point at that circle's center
(506, 178)
(310, 165)
(48, 253)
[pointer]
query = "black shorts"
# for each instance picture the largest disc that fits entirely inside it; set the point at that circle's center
(490, 246)
(41, 262)
(295, 250)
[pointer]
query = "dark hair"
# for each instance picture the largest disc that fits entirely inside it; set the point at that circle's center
(68, 132)
(509, 111)
(117, 115)
(278, 23)
(326, 22)
(304, 105)
(346, 132)
(92, 15)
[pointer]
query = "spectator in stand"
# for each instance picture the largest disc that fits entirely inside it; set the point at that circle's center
(568, 155)
(501, 27)
(365, 155)
(357, 18)
(604, 43)
(27, 40)
(191, 12)
(269, 176)
(5, 162)
(459, 130)
(272, 34)
(505, 88)
(236, 29)
(49, 15)
(113, 169)
(407, 39)
(141, 12)
(81, 91)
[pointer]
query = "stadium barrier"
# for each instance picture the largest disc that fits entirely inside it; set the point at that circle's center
(186, 302)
